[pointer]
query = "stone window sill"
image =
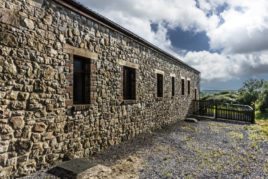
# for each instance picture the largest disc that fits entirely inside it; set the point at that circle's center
(129, 101)
(81, 107)
(159, 98)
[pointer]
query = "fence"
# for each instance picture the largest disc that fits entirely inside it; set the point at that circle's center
(220, 110)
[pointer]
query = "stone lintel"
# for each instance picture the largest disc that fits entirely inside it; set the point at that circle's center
(172, 74)
(80, 52)
(128, 64)
(159, 72)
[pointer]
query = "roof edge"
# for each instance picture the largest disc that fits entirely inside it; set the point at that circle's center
(81, 9)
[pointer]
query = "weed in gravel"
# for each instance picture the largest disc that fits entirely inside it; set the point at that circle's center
(255, 146)
(214, 130)
(217, 124)
(188, 128)
(265, 167)
(264, 127)
(168, 175)
(255, 134)
(236, 135)
(259, 131)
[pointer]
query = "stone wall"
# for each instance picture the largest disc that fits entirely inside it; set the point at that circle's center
(39, 125)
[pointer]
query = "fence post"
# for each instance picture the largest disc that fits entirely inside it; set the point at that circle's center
(216, 110)
(253, 114)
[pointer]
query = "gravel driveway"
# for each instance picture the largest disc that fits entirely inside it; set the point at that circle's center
(206, 149)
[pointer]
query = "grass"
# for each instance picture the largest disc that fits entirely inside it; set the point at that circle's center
(261, 116)
(262, 122)
(259, 131)
(236, 135)
(263, 126)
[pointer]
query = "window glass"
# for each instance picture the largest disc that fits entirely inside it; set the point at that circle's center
(129, 83)
(81, 80)
(173, 86)
(189, 87)
(159, 85)
(182, 86)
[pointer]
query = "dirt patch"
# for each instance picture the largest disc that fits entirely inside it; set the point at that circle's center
(127, 168)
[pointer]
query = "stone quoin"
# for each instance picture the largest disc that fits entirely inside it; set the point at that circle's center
(73, 83)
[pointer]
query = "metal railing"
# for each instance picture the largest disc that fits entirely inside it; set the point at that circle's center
(220, 110)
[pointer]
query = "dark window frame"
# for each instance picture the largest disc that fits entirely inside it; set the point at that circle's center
(159, 85)
(129, 83)
(172, 86)
(189, 87)
(82, 76)
(183, 87)
(195, 94)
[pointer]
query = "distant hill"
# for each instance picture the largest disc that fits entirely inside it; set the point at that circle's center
(220, 95)
(216, 91)
(213, 92)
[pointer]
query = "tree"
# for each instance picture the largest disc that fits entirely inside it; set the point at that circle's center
(250, 91)
(263, 98)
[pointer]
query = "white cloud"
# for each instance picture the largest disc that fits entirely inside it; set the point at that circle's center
(244, 28)
(143, 28)
(175, 13)
(238, 33)
(212, 65)
(215, 66)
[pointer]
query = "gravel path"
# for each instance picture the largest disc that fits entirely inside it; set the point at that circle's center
(206, 149)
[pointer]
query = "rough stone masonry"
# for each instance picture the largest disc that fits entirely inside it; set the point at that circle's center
(39, 124)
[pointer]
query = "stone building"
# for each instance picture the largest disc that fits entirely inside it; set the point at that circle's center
(73, 83)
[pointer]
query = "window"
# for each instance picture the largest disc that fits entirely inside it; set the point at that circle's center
(173, 86)
(195, 94)
(159, 85)
(129, 83)
(189, 87)
(182, 86)
(81, 80)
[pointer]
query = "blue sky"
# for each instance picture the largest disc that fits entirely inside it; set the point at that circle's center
(188, 40)
(224, 39)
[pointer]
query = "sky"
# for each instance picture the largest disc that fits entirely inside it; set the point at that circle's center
(226, 40)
